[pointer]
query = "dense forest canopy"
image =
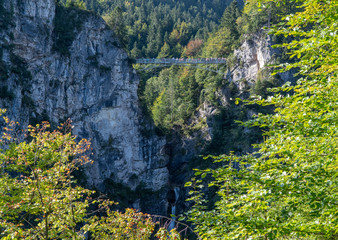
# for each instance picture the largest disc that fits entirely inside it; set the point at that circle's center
(145, 26)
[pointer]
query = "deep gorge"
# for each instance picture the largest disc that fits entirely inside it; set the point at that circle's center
(59, 63)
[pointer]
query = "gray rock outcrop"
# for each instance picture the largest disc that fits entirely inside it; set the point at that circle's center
(253, 57)
(90, 81)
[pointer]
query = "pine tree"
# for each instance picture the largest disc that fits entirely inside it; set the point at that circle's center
(229, 18)
(165, 51)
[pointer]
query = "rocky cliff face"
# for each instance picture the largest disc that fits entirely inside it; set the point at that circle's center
(76, 70)
(252, 58)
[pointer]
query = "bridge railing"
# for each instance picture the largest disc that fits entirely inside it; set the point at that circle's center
(181, 60)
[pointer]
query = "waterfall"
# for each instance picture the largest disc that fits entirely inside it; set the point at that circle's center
(173, 209)
(177, 193)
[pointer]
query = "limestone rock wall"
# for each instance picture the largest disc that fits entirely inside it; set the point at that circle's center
(252, 56)
(94, 85)
(250, 59)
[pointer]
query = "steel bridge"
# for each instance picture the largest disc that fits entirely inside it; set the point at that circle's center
(188, 62)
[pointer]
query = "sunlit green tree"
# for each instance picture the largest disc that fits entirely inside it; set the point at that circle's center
(288, 188)
(115, 20)
(165, 51)
(40, 198)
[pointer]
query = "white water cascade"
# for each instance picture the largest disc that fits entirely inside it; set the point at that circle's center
(173, 209)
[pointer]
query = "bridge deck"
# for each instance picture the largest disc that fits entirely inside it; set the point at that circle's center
(178, 61)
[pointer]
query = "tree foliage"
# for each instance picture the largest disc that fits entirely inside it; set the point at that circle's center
(39, 195)
(149, 24)
(288, 188)
(115, 20)
(193, 48)
(73, 3)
